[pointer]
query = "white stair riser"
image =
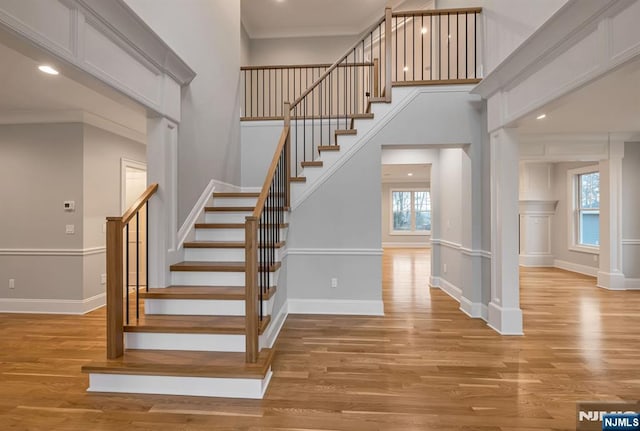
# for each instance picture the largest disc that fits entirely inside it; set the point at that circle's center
(203, 307)
(226, 217)
(190, 342)
(235, 202)
(219, 234)
(205, 278)
(176, 385)
(214, 254)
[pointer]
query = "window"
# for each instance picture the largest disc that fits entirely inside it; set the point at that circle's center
(411, 212)
(585, 211)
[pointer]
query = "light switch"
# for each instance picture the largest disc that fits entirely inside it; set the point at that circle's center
(69, 206)
(70, 229)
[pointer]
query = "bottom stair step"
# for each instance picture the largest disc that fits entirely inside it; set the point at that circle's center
(212, 374)
(180, 324)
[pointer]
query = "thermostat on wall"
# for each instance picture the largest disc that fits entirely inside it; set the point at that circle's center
(69, 206)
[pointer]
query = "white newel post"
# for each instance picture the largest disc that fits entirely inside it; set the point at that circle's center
(610, 275)
(162, 151)
(505, 315)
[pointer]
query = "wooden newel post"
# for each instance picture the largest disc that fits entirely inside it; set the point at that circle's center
(387, 51)
(251, 289)
(115, 276)
(376, 77)
(287, 154)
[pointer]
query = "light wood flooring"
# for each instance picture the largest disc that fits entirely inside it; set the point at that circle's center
(423, 366)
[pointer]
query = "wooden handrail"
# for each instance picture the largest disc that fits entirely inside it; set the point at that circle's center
(335, 65)
(257, 212)
(302, 66)
(139, 203)
(438, 11)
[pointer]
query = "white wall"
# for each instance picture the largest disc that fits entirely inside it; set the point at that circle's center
(630, 210)
(206, 34)
(299, 50)
(245, 47)
(507, 23)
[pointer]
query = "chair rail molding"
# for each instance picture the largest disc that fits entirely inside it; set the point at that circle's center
(105, 39)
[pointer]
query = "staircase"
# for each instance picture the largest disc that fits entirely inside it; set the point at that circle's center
(190, 339)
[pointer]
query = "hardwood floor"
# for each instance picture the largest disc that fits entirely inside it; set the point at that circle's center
(423, 366)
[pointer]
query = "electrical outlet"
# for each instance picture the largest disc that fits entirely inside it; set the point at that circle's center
(103, 278)
(444, 268)
(12, 283)
(334, 283)
(70, 229)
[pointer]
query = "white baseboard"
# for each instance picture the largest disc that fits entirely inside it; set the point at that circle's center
(476, 310)
(453, 291)
(632, 284)
(505, 321)
(336, 306)
(536, 260)
(178, 385)
(52, 306)
(405, 245)
(270, 335)
(197, 209)
(574, 267)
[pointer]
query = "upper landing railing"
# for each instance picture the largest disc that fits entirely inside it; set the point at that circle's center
(426, 47)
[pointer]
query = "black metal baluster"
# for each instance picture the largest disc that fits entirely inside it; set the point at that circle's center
(404, 49)
(475, 45)
(413, 48)
(466, 45)
(448, 46)
(126, 271)
(263, 110)
(138, 264)
(422, 47)
(396, 27)
(431, 47)
(457, 45)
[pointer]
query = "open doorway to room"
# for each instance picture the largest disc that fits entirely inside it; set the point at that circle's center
(133, 185)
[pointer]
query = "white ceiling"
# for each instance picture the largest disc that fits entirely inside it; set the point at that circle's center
(608, 105)
(400, 173)
(305, 18)
(28, 95)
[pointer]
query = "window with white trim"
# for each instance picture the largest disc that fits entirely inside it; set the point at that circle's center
(585, 209)
(410, 212)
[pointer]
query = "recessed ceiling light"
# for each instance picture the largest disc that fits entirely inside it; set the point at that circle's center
(406, 68)
(48, 70)
(541, 117)
(410, 174)
(424, 30)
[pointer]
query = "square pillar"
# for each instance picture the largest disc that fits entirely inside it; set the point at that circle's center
(505, 315)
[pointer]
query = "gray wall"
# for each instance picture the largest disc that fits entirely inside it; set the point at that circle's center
(207, 36)
(41, 166)
(395, 240)
(245, 47)
(559, 221)
(631, 210)
(299, 50)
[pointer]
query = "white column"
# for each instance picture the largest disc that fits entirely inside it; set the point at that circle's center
(505, 315)
(162, 157)
(610, 275)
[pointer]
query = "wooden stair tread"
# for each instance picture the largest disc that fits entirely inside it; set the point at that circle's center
(229, 225)
(315, 163)
(177, 324)
(229, 209)
(184, 364)
(365, 116)
(216, 266)
(231, 293)
(235, 195)
(223, 244)
(378, 100)
(345, 132)
(329, 148)
(298, 179)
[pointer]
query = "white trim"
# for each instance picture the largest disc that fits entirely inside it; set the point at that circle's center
(475, 253)
(197, 209)
(406, 245)
(180, 385)
(377, 128)
(52, 251)
(450, 289)
(505, 321)
(52, 306)
(124, 164)
(270, 335)
(573, 222)
(413, 231)
(332, 252)
(632, 284)
(336, 306)
(185, 341)
(449, 244)
(475, 310)
(533, 260)
(575, 267)
(611, 280)
(631, 242)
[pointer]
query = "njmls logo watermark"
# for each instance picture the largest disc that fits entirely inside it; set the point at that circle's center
(617, 415)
